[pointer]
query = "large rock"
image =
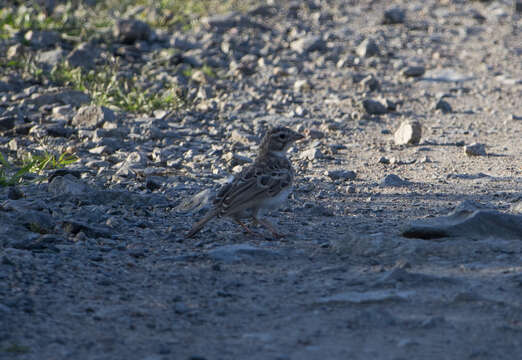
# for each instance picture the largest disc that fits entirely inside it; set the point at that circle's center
(469, 220)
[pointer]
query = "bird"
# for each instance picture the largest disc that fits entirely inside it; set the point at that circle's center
(263, 185)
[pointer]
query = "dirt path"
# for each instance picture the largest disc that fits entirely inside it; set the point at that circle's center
(94, 264)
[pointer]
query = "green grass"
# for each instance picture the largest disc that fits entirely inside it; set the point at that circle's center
(108, 87)
(11, 174)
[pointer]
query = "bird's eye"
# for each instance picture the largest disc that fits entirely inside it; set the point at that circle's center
(282, 136)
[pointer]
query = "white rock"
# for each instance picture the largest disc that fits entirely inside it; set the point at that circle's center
(408, 133)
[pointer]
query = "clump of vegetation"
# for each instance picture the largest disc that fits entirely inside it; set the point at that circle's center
(13, 174)
(108, 87)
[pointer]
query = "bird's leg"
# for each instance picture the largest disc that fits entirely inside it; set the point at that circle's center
(269, 226)
(239, 222)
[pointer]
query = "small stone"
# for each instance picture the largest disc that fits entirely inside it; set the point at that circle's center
(302, 85)
(394, 16)
(92, 116)
(367, 48)
(394, 180)
(84, 56)
(223, 22)
(51, 58)
(308, 44)
(15, 51)
(7, 122)
(413, 71)
(374, 107)
(67, 185)
(42, 39)
(475, 149)
(310, 154)
(341, 174)
(128, 31)
(235, 159)
(14, 193)
(370, 83)
(384, 160)
(313, 134)
(350, 189)
(443, 106)
(408, 133)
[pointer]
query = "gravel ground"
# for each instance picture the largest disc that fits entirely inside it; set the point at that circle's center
(404, 231)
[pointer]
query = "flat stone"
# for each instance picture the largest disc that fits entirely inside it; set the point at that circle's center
(468, 220)
(408, 133)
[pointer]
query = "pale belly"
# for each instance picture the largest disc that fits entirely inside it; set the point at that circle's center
(277, 201)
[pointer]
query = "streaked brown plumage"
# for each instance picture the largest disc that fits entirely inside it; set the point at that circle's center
(265, 184)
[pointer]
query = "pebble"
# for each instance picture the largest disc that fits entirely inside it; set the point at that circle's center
(367, 48)
(374, 107)
(408, 133)
(475, 149)
(394, 16)
(443, 106)
(310, 154)
(413, 71)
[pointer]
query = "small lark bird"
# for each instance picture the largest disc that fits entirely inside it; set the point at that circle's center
(265, 184)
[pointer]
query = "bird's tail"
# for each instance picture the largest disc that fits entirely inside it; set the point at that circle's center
(199, 225)
(196, 202)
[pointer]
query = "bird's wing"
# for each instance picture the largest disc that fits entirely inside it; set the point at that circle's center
(251, 186)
